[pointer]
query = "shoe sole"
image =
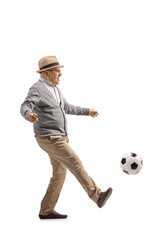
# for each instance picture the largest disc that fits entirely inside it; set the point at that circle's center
(42, 217)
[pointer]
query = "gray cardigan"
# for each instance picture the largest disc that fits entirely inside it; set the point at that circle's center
(51, 116)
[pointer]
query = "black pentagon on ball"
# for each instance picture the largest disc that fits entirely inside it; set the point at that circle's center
(133, 154)
(123, 161)
(134, 166)
(125, 171)
(141, 162)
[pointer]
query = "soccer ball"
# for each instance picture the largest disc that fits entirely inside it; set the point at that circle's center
(131, 163)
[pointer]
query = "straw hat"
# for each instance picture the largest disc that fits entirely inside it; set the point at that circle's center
(49, 62)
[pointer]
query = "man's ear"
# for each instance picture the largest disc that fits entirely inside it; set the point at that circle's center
(45, 75)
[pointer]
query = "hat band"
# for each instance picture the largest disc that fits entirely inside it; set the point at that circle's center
(50, 65)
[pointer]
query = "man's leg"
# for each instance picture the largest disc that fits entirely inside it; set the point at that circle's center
(54, 188)
(58, 148)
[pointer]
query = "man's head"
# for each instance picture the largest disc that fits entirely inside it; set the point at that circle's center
(52, 75)
(49, 68)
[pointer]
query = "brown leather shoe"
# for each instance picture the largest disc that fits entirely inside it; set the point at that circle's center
(52, 215)
(103, 197)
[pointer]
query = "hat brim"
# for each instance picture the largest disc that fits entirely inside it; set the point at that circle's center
(45, 69)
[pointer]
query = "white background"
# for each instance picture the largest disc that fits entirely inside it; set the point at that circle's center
(111, 54)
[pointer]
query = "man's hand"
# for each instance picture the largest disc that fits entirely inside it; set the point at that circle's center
(93, 112)
(32, 117)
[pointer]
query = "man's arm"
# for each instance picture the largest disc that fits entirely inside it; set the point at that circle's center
(28, 105)
(76, 110)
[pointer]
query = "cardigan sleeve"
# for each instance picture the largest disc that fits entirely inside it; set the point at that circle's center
(31, 100)
(76, 110)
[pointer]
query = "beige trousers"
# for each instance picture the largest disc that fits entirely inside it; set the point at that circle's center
(62, 157)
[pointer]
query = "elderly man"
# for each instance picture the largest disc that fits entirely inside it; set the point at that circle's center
(45, 107)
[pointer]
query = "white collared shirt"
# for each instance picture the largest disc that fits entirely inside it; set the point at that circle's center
(53, 90)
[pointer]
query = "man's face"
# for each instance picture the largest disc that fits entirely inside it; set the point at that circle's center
(53, 76)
